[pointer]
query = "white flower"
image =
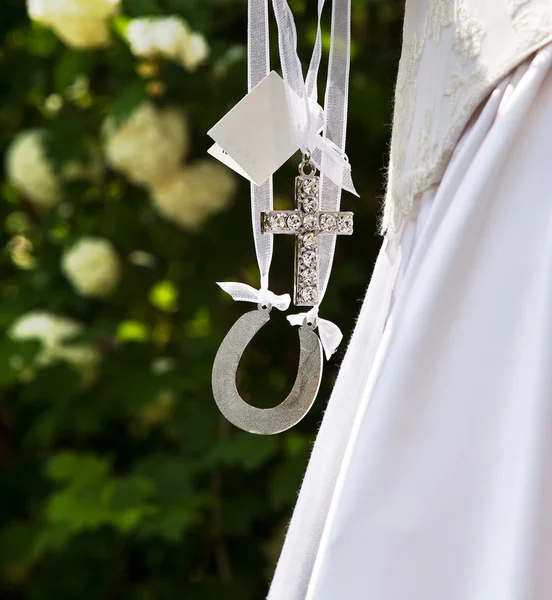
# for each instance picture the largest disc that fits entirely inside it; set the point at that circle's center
(49, 11)
(29, 170)
(215, 184)
(192, 194)
(92, 266)
(79, 23)
(169, 37)
(53, 332)
(196, 52)
(82, 33)
(149, 145)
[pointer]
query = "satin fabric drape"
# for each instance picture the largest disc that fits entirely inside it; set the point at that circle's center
(430, 478)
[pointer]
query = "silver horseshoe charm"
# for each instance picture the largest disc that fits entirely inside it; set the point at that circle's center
(265, 421)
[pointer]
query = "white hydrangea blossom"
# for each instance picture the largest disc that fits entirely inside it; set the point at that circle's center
(192, 194)
(214, 184)
(28, 168)
(82, 33)
(48, 11)
(149, 145)
(92, 266)
(79, 23)
(53, 332)
(169, 37)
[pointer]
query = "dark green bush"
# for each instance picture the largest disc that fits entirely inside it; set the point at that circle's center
(124, 481)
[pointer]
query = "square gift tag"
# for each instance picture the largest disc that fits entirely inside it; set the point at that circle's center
(259, 134)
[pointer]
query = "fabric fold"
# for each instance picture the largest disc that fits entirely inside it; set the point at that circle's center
(429, 478)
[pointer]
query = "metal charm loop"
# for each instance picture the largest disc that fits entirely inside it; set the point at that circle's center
(265, 421)
(307, 163)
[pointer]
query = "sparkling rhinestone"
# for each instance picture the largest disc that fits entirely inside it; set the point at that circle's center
(308, 294)
(345, 224)
(310, 187)
(327, 222)
(309, 258)
(277, 221)
(310, 204)
(309, 241)
(308, 276)
(310, 222)
(268, 222)
(294, 222)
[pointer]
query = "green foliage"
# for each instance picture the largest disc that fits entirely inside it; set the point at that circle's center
(125, 482)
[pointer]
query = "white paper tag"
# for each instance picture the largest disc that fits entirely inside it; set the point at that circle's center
(217, 152)
(259, 135)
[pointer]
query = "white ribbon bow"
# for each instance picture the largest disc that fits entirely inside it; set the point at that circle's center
(330, 334)
(246, 293)
(332, 162)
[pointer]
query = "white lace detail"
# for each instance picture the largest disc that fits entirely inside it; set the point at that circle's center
(532, 26)
(406, 88)
(459, 82)
(515, 5)
(468, 35)
(451, 61)
(439, 17)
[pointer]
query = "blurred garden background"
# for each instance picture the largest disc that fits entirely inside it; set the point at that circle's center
(118, 477)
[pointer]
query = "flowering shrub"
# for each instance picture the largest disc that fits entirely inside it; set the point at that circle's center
(92, 266)
(118, 477)
(79, 23)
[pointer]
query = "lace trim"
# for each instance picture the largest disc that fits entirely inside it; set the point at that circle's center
(440, 16)
(466, 87)
(469, 35)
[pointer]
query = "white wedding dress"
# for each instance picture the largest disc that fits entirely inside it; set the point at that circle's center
(430, 477)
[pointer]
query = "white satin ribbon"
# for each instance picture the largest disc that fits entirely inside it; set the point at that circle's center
(258, 61)
(328, 156)
(246, 293)
(327, 150)
(330, 334)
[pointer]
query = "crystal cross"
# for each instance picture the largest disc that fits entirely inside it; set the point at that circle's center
(307, 222)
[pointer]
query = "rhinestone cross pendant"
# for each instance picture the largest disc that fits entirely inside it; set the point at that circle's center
(306, 222)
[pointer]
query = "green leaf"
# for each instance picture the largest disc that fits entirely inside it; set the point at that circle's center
(200, 326)
(131, 518)
(142, 8)
(132, 331)
(170, 475)
(127, 102)
(42, 41)
(119, 24)
(244, 450)
(69, 67)
(164, 296)
(17, 360)
(172, 522)
(130, 491)
(78, 509)
(77, 468)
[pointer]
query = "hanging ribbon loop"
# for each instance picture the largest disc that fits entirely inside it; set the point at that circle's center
(327, 149)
